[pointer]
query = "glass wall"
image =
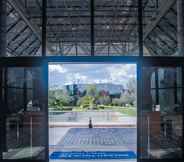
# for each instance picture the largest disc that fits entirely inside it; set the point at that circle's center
(22, 114)
(68, 28)
(161, 115)
(116, 28)
(84, 28)
(92, 113)
(163, 28)
(21, 27)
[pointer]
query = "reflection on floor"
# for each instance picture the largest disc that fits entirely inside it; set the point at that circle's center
(164, 147)
(24, 153)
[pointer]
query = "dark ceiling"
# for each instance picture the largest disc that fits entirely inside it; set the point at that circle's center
(112, 25)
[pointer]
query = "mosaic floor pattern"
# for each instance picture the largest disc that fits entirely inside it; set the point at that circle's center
(99, 137)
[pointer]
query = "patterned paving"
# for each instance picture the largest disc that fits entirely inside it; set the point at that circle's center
(85, 137)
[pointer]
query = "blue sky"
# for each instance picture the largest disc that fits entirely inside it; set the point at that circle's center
(62, 74)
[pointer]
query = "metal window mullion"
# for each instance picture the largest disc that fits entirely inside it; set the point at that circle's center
(140, 27)
(19, 45)
(182, 96)
(175, 88)
(167, 33)
(11, 10)
(163, 40)
(151, 47)
(33, 50)
(157, 44)
(169, 23)
(17, 35)
(25, 90)
(13, 25)
(157, 86)
(28, 46)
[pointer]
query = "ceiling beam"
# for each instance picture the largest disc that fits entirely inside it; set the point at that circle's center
(20, 10)
(163, 9)
(23, 14)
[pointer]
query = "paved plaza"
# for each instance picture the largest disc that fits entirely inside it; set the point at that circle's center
(95, 139)
(99, 138)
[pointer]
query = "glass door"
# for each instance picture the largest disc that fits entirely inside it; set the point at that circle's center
(92, 112)
(23, 120)
(161, 113)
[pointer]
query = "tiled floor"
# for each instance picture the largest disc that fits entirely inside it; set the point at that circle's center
(99, 137)
(95, 139)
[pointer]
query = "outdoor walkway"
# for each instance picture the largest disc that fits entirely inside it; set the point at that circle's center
(95, 139)
(125, 121)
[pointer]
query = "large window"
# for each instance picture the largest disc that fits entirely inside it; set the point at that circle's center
(163, 28)
(91, 27)
(22, 114)
(145, 30)
(116, 28)
(92, 112)
(21, 27)
(161, 115)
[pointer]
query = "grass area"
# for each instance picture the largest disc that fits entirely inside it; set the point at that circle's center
(129, 111)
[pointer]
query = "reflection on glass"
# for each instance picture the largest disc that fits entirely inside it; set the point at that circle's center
(23, 114)
(161, 38)
(68, 28)
(115, 34)
(169, 78)
(161, 117)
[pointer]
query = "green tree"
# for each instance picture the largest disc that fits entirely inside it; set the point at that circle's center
(103, 100)
(131, 86)
(91, 91)
(58, 99)
(86, 102)
(127, 99)
(129, 96)
(116, 102)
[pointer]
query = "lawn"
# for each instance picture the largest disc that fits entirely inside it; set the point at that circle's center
(129, 111)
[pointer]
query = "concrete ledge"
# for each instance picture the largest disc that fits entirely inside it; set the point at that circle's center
(84, 125)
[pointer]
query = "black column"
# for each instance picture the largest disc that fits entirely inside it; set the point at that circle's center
(2, 28)
(3, 109)
(140, 27)
(1, 118)
(2, 54)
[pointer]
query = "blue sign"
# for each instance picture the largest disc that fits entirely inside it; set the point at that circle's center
(82, 155)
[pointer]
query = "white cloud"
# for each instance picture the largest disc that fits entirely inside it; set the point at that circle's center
(80, 78)
(75, 78)
(100, 81)
(116, 72)
(83, 79)
(120, 73)
(57, 68)
(91, 73)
